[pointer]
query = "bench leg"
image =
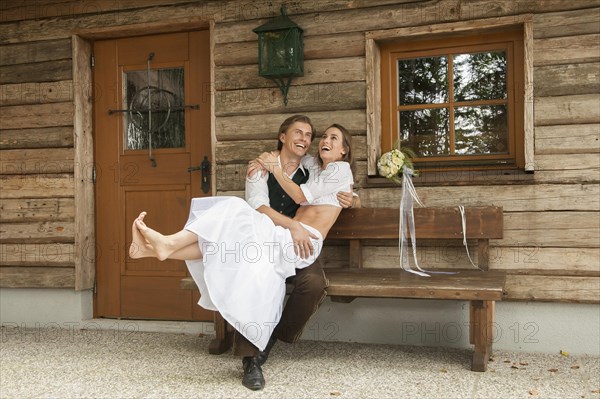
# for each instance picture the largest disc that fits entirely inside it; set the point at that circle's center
(481, 333)
(224, 337)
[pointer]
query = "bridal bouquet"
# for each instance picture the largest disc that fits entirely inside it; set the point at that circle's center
(392, 163)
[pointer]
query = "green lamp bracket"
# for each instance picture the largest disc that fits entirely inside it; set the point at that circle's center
(284, 87)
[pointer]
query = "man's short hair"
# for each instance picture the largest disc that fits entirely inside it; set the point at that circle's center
(289, 122)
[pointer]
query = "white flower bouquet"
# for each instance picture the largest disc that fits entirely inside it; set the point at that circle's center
(391, 164)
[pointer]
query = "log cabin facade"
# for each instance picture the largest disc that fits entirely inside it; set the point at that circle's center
(49, 130)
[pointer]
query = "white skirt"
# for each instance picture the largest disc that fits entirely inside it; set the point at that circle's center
(246, 259)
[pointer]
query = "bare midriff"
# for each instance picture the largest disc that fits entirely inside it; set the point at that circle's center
(321, 217)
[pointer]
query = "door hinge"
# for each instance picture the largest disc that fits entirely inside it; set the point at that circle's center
(95, 286)
(92, 61)
(94, 174)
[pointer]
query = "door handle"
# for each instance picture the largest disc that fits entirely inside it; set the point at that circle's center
(205, 168)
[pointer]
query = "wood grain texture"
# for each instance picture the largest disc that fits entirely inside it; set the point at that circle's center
(567, 139)
(582, 289)
(30, 209)
(36, 254)
(83, 172)
(566, 80)
(315, 47)
(382, 283)
(36, 93)
(37, 161)
(37, 277)
(36, 186)
(395, 283)
(515, 258)
(49, 71)
(28, 53)
(331, 70)
(430, 223)
(51, 137)
(567, 23)
(219, 10)
(532, 198)
(315, 98)
(38, 232)
(567, 50)
(36, 116)
(572, 109)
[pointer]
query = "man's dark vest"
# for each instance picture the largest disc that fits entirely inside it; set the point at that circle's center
(279, 199)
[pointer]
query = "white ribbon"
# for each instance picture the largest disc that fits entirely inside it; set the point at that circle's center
(464, 231)
(407, 216)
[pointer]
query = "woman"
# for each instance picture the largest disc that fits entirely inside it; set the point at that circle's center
(237, 256)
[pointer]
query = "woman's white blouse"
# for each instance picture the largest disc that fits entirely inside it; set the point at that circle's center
(324, 184)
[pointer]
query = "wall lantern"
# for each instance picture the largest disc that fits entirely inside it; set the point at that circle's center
(280, 51)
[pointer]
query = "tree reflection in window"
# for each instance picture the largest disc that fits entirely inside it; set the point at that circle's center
(426, 131)
(165, 94)
(423, 81)
(479, 76)
(473, 96)
(480, 130)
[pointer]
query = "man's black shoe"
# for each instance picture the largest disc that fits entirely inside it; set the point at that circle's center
(264, 355)
(253, 375)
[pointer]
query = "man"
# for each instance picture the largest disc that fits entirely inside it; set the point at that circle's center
(265, 195)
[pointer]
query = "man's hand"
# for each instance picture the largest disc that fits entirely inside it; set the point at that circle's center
(301, 239)
(346, 199)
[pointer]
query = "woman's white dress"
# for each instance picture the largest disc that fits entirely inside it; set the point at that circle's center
(246, 257)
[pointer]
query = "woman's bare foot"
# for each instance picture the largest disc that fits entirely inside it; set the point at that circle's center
(139, 248)
(160, 245)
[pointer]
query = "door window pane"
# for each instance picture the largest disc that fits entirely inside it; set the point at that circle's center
(479, 76)
(156, 113)
(426, 131)
(423, 81)
(481, 130)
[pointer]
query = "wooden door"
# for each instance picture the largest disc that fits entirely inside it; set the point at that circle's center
(151, 123)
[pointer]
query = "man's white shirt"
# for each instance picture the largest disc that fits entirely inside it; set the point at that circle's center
(257, 190)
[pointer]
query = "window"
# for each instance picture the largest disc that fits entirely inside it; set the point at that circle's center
(155, 99)
(457, 100)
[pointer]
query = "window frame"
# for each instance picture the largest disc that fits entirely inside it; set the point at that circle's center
(377, 42)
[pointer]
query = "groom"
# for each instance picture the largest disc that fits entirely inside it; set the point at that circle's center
(265, 195)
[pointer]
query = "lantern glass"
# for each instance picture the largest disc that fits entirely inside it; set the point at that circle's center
(281, 53)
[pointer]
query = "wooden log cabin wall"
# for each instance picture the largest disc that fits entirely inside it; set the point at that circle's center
(551, 240)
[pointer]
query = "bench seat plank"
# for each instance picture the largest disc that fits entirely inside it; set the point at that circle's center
(396, 283)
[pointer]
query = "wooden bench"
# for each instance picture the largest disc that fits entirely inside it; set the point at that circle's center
(481, 288)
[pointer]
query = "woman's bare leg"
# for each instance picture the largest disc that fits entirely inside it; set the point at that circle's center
(191, 252)
(165, 246)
